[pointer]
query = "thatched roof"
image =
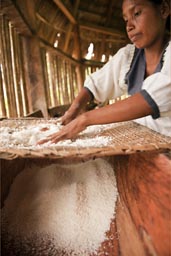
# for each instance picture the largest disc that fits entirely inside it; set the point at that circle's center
(62, 22)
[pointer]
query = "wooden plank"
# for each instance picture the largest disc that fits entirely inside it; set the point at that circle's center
(34, 75)
(129, 239)
(144, 182)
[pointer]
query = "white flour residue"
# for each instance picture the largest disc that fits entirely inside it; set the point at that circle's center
(28, 136)
(71, 204)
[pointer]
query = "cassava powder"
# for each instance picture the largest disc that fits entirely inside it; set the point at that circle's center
(28, 136)
(61, 208)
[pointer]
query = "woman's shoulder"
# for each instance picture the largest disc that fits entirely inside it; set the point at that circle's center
(127, 49)
(168, 48)
(169, 44)
(167, 60)
(124, 55)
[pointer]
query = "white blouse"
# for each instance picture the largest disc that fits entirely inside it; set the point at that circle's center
(109, 83)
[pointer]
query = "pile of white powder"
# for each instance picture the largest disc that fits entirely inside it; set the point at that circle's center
(28, 136)
(61, 208)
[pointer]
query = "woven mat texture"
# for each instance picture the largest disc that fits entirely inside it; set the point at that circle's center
(125, 138)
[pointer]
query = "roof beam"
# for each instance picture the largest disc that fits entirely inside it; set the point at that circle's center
(16, 17)
(103, 30)
(42, 19)
(68, 34)
(66, 11)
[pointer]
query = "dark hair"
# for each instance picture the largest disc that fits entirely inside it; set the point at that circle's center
(168, 21)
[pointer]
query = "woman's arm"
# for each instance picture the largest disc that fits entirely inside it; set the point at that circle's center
(103, 84)
(131, 108)
(78, 104)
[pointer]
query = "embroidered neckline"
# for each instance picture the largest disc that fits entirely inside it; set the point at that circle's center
(126, 64)
(164, 53)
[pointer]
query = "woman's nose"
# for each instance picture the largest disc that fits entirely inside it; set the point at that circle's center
(129, 25)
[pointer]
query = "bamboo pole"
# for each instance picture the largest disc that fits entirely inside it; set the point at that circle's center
(74, 78)
(77, 55)
(2, 81)
(60, 80)
(2, 100)
(22, 78)
(66, 11)
(65, 73)
(8, 72)
(68, 81)
(70, 27)
(53, 66)
(56, 92)
(120, 34)
(20, 91)
(102, 48)
(72, 82)
(15, 70)
(50, 78)
(45, 73)
(57, 81)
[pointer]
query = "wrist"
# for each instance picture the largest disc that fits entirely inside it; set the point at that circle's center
(84, 119)
(75, 105)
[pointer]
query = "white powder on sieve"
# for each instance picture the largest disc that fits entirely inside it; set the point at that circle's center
(28, 136)
(72, 204)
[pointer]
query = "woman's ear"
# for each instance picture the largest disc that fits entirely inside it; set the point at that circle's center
(165, 9)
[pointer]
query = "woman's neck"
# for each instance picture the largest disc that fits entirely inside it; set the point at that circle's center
(153, 55)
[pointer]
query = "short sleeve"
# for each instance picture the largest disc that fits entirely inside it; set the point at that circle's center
(158, 86)
(104, 83)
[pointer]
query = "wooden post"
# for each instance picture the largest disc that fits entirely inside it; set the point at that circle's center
(2, 101)
(77, 55)
(102, 48)
(8, 72)
(34, 75)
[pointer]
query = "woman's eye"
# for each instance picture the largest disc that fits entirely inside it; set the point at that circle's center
(137, 13)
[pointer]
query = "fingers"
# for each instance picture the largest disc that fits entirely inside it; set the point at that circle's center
(66, 119)
(68, 116)
(69, 131)
(54, 138)
(58, 138)
(40, 142)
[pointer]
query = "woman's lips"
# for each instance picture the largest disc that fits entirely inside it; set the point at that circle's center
(134, 38)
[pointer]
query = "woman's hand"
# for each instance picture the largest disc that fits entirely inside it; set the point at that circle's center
(68, 131)
(70, 114)
(77, 106)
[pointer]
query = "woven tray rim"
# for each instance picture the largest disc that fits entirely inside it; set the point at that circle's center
(162, 144)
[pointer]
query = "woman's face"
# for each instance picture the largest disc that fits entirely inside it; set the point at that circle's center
(145, 23)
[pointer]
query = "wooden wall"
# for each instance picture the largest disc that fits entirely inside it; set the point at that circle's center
(42, 52)
(34, 75)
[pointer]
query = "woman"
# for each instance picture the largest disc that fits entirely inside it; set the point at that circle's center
(141, 69)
